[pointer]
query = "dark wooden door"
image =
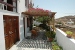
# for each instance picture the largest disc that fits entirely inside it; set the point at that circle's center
(16, 29)
(11, 30)
(6, 32)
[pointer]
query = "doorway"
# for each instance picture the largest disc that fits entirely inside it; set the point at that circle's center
(11, 30)
(24, 25)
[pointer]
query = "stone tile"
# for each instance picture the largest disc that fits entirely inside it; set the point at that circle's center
(42, 44)
(39, 43)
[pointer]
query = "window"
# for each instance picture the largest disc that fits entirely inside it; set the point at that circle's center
(26, 3)
(8, 5)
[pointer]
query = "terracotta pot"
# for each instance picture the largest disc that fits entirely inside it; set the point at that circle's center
(69, 36)
(34, 33)
(50, 39)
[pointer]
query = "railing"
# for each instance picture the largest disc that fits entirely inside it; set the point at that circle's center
(6, 6)
(2, 6)
(62, 40)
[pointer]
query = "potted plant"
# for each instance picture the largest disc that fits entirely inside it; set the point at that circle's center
(69, 34)
(50, 35)
(55, 46)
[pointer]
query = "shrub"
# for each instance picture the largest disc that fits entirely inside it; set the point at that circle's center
(69, 32)
(55, 46)
(50, 34)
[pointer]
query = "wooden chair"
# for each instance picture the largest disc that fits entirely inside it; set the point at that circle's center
(34, 33)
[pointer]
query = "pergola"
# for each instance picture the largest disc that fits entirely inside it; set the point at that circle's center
(40, 12)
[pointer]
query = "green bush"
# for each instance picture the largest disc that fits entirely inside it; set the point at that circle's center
(69, 32)
(55, 46)
(50, 34)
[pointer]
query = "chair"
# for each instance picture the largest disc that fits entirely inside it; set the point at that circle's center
(33, 33)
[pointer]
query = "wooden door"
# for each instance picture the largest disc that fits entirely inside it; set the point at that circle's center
(11, 30)
(6, 33)
(16, 29)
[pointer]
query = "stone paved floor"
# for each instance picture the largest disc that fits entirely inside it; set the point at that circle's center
(39, 43)
(42, 44)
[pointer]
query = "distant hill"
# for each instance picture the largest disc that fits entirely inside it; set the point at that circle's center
(65, 19)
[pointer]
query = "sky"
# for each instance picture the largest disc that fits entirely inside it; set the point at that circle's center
(62, 7)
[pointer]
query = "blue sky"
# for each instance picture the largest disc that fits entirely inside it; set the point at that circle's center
(62, 7)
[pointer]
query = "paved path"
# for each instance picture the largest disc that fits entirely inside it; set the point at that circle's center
(39, 43)
(42, 44)
(32, 45)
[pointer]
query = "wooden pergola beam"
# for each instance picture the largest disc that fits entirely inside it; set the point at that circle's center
(39, 14)
(36, 12)
(53, 23)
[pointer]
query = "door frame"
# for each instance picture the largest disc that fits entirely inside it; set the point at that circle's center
(17, 26)
(24, 25)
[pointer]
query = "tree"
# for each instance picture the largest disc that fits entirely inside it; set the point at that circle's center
(43, 19)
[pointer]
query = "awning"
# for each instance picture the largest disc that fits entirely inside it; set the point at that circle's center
(38, 12)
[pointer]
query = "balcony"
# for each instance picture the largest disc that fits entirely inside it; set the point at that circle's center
(8, 5)
(65, 42)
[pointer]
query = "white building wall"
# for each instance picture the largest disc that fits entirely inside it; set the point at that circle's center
(22, 8)
(30, 1)
(63, 41)
(21, 27)
(2, 40)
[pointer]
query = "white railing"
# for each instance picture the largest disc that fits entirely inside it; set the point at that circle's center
(4, 7)
(63, 41)
(1, 6)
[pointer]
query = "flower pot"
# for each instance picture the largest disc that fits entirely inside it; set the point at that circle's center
(69, 35)
(50, 39)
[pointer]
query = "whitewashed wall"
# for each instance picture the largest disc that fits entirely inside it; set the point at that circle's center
(62, 40)
(2, 39)
(22, 8)
(21, 27)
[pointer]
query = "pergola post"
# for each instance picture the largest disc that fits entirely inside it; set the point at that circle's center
(53, 23)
